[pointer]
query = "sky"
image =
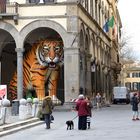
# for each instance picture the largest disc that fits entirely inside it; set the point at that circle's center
(130, 16)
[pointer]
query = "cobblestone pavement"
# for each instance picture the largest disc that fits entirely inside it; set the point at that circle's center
(108, 123)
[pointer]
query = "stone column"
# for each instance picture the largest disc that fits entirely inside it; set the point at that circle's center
(19, 72)
(71, 71)
(88, 75)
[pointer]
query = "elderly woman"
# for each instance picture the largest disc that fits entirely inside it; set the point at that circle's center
(82, 108)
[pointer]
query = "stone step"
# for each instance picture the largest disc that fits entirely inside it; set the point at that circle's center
(14, 127)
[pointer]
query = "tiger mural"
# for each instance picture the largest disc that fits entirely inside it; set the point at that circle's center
(41, 65)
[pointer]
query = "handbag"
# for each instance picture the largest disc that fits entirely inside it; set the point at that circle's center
(52, 118)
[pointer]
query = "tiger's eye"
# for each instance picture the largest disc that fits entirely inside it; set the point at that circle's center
(46, 48)
(57, 49)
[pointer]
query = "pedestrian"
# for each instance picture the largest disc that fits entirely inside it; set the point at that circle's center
(98, 100)
(82, 108)
(134, 103)
(90, 106)
(47, 107)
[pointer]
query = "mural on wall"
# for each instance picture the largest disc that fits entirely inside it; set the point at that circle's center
(41, 65)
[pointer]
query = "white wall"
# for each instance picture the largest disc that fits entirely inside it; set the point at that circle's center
(18, 1)
(24, 1)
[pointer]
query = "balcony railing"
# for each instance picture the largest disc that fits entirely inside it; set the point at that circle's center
(9, 11)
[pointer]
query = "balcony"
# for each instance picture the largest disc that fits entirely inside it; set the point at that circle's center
(14, 10)
(9, 11)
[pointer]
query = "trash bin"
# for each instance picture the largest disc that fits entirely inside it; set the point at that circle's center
(15, 107)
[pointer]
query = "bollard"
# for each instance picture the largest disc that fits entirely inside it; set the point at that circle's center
(23, 109)
(29, 107)
(35, 107)
(5, 105)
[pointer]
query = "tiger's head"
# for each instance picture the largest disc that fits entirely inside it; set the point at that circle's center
(50, 53)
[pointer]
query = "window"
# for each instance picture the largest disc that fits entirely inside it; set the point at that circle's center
(86, 5)
(96, 13)
(34, 1)
(139, 86)
(91, 8)
(38, 1)
(2, 6)
(135, 74)
(128, 75)
(135, 86)
(128, 85)
(45, 1)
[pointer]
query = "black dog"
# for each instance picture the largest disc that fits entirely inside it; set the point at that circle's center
(70, 124)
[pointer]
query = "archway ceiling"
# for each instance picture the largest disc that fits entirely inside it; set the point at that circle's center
(41, 34)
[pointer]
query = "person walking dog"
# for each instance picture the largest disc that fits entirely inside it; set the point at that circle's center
(82, 108)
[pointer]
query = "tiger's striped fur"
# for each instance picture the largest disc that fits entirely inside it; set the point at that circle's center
(40, 65)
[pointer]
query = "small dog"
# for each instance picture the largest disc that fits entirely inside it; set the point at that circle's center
(70, 124)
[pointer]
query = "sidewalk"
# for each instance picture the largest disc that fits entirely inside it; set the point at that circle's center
(14, 124)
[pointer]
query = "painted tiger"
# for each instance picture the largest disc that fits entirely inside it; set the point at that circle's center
(41, 65)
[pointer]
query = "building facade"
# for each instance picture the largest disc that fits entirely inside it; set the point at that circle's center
(131, 77)
(91, 59)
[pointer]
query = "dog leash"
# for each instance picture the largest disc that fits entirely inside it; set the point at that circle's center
(75, 117)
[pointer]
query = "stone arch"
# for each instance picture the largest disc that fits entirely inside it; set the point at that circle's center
(8, 56)
(47, 24)
(9, 28)
(82, 58)
(87, 62)
(93, 46)
(87, 40)
(82, 40)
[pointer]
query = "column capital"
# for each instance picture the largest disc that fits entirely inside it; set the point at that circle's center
(20, 50)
